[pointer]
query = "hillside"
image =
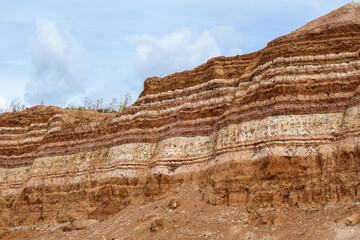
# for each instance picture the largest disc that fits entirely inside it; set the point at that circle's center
(277, 130)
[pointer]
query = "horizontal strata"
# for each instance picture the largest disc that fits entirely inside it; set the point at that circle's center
(275, 129)
(202, 104)
(280, 123)
(293, 128)
(212, 101)
(307, 62)
(329, 71)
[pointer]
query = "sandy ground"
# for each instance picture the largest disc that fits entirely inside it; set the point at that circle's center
(183, 215)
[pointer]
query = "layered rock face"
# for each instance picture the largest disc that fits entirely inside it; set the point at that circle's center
(278, 127)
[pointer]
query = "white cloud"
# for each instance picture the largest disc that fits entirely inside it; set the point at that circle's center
(56, 74)
(183, 50)
(176, 52)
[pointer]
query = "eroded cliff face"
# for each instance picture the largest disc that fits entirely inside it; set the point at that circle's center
(278, 127)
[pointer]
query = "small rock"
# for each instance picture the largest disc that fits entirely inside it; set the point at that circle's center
(277, 220)
(174, 203)
(352, 219)
(67, 229)
(157, 225)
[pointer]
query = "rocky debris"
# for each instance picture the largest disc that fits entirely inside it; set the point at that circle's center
(157, 225)
(173, 204)
(277, 220)
(206, 234)
(205, 221)
(353, 219)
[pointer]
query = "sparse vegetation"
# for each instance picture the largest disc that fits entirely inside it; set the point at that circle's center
(16, 105)
(114, 106)
(98, 105)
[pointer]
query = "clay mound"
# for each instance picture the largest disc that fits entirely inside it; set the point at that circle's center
(275, 128)
(346, 15)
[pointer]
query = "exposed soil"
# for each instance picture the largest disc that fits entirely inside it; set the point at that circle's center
(275, 134)
(183, 215)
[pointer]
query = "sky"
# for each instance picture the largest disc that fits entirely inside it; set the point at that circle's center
(56, 52)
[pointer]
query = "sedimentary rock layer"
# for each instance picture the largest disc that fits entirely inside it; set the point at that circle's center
(276, 127)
